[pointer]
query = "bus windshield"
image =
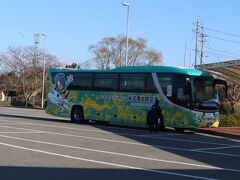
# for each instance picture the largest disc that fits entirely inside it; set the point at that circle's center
(204, 93)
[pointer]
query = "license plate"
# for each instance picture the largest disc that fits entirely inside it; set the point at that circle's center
(209, 115)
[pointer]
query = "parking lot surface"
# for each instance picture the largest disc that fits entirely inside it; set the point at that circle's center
(34, 145)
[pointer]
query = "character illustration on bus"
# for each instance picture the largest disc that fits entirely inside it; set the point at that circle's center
(58, 95)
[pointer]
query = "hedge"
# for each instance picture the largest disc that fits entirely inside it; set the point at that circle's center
(232, 120)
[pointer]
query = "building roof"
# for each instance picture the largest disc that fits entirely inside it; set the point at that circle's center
(229, 70)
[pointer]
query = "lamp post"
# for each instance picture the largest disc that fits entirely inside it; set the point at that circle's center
(126, 55)
(44, 64)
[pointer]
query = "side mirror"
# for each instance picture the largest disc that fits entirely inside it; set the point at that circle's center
(222, 82)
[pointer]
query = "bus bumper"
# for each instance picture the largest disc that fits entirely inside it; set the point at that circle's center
(205, 120)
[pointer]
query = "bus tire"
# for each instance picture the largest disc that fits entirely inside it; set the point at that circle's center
(77, 115)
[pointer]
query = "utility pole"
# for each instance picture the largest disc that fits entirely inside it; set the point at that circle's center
(44, 64)
(202, 43)
(189, 62)
(185, 51)
(126, 55)
(34, 60)
(36, 39)
(196, 45)
(36, 42)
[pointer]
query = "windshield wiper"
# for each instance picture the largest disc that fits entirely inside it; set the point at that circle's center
(206, 103)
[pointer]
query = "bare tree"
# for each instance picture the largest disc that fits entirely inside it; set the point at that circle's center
(110, 52)
(103, 52)
(233, 97)
(87, 64)
(26, 64)
(8, 82)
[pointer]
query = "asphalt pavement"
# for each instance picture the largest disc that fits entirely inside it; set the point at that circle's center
(34, 145)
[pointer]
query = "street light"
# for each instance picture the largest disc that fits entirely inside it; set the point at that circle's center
(43, 78)
(126, 55)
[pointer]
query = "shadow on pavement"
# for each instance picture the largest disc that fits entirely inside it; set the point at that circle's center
(182, 145)
(45, 173)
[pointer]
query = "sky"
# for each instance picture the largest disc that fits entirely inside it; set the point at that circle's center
(71, 26)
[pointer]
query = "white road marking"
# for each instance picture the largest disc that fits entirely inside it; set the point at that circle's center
(104, 163)
(216, 153)
(7, 122)
(216, 148)
(120, 154)
(98, 131)
(124, 142)
(159, 135)
(61, 127)
(127, 134)
(68, 119)
(218, 137)
(21, 116)
(87, 137)
(20, 132)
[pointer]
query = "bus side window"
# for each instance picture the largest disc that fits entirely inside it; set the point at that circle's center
(81, 81)
(105, 82)
(132, 82)
(166, 83)
(151, 87)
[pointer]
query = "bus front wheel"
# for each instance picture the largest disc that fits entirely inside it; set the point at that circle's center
(77, 115)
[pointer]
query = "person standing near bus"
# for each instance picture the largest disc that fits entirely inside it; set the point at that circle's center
(156, 117)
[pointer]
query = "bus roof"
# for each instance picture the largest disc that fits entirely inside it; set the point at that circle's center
(138, 69)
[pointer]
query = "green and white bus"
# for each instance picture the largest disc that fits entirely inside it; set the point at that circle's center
(124, 95)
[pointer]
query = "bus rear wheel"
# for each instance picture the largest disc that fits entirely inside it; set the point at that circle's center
(77, 115)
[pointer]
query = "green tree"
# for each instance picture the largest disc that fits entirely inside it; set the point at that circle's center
(73, 66)
(110, 52)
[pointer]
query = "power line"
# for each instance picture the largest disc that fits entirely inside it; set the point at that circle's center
(199, 32)
(222, 39)
(220, 54)
(221, 32)
(222, 51)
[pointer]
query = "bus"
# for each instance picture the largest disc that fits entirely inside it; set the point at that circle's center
(124, 95)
